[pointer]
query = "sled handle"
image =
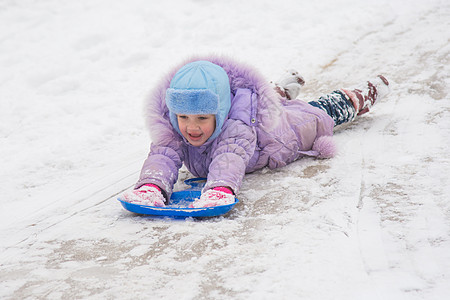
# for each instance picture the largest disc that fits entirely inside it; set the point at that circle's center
(196, 183)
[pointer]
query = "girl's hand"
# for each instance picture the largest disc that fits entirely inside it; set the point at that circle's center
(214, 197)
(148, 194)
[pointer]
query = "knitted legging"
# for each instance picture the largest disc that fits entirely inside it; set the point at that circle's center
(337, 106)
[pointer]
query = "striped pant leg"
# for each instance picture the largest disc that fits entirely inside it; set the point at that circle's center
(337, 106)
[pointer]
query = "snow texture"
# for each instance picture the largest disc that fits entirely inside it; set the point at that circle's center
(371, 223)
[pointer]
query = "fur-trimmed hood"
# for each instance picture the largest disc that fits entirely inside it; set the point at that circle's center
(240, 76)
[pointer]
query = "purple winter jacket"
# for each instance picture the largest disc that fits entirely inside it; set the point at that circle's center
(262, 129)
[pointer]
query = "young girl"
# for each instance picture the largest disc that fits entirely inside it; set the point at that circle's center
(222, 119)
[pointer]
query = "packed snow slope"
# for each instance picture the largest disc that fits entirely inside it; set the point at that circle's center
(371, 223)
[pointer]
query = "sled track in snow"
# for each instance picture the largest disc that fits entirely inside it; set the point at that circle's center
(80, 200)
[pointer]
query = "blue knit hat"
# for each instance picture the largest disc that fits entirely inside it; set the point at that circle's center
(199, 88)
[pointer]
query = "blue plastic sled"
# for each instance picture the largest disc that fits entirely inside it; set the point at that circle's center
(179, 204)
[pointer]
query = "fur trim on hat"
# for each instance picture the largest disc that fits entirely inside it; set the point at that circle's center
(192, 102)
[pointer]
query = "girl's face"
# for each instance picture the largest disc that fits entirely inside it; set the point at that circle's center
(196, 129)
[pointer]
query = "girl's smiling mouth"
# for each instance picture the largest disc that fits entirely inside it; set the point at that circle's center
(195, 136)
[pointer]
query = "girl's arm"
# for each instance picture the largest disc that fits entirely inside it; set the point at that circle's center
(161, 167)
(231, 156)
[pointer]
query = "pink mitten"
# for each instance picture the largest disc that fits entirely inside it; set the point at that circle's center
(148, 194)
(215, 197)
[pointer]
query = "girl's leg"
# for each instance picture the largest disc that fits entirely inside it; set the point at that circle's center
(364, 97)
(338, 106)
(289, 85)
(344, 105)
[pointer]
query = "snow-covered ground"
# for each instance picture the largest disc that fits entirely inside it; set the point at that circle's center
(372, 223)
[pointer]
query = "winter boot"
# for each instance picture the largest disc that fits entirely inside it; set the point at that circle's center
(289, 85)
(364, 97)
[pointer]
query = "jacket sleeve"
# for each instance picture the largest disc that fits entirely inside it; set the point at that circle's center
(231, 154)
(162, 165)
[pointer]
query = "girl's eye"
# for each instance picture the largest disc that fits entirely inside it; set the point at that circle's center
(182, 117)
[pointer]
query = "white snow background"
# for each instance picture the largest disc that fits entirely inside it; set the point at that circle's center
(371, 223)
